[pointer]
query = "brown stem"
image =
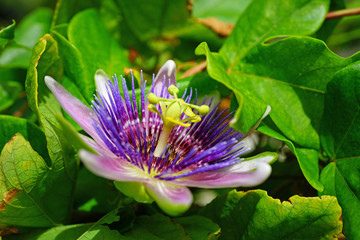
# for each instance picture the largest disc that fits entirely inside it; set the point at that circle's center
(196, 69)
(343, 13)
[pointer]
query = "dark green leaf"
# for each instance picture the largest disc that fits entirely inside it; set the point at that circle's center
(198, 227)
(100, 232)
(308, 158)
(254, 215)
(94, 193)
(340, 139)
(152, 18)
(156, 227)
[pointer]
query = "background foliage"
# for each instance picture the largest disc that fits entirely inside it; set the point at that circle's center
(258, 53)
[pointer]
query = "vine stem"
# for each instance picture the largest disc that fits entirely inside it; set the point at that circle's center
(343, 13)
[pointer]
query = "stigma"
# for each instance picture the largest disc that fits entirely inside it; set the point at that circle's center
(174, 111)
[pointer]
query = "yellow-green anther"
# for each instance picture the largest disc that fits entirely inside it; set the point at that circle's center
(173, 90)
(203, 109)
(196, 118)
(153, 99)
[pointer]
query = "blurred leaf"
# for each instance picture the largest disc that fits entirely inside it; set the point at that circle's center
(87, 50)
(226, 11)
(156, 227)
(98, 48)
(11, 125)
(66, 9)
(198, 227)
(29, 30)
(329, 25)
(152, 18)
(254, 215)
(340, 138)
(6, 34)
(9, 92)
(33, 26)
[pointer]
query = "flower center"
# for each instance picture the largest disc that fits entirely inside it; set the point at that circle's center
(171, 114)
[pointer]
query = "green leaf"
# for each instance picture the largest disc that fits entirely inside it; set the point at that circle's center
(308, 158)
(291, 81)
(46, 61)
(93, 193)
(6, 34)
(29, 30)
(198, 227)
(254, 215)
(98, 48)
(89, 49)
(156, 227)
(152, 18)
(77, 77)
(22, 177)
(93, 231)
(340, 139)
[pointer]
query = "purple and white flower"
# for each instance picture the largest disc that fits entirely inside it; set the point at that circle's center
(162, 141)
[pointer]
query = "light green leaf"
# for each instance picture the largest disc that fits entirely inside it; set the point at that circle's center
(340, 138)
(226, 11)
(255, 215)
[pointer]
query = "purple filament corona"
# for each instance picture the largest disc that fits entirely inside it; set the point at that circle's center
(132, 133)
